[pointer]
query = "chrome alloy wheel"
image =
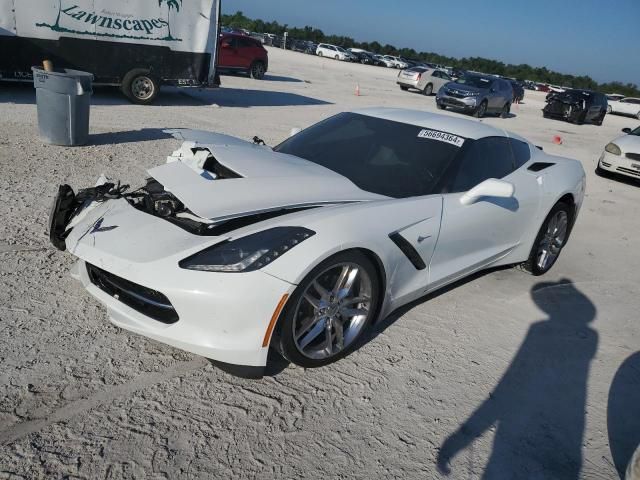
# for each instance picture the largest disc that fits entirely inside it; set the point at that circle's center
(332, 311)
(553, 240)
(142, 88)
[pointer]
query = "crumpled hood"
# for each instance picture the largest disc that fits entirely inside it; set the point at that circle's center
(269, 180)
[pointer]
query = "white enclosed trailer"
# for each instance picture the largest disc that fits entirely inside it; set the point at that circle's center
(136, 44)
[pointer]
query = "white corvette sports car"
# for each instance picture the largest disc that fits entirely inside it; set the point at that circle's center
(232, 247)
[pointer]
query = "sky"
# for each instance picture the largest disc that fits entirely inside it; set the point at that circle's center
(599, 38)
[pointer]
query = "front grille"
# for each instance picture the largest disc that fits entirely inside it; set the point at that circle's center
(142, 299)
(605, 164)
(629, 171)
(455, 93)
(633, 156)
(453, 102)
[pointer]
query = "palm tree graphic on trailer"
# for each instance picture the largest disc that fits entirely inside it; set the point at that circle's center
(176, 4)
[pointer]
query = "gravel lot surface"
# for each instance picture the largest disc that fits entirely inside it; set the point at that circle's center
(502, 376)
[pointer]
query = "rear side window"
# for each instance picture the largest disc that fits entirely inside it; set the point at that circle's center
(489, 157)
(521, 152)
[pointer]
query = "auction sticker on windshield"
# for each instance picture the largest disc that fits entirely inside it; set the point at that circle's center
(442, 136)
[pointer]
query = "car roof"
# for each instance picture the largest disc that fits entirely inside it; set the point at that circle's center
(459, 126)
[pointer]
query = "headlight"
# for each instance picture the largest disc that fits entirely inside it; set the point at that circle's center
(613, 149)
(249, 253)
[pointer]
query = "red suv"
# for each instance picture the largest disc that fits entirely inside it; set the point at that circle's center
(239, 53)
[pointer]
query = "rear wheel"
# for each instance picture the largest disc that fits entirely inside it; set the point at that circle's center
(403, 88)
(505, 110)
(330, 310)
(550, 240)
(140, 86)
(638, 115)
(258, 70)
(428, 90)
(319, 54)
(481, 110)
(336, 57)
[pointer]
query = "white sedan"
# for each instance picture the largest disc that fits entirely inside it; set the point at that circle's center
(622, 155)
(232, 247)
(626, 106)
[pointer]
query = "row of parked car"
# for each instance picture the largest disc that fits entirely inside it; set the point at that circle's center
(481, 94)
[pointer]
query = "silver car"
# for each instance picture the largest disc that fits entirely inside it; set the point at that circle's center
(477, 94)
(427, 80)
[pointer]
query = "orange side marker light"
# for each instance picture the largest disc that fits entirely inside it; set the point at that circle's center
(274, 319)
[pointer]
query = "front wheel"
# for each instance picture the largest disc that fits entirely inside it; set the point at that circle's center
(481, 110)
(550, 240)
(329, 310)
(428, 90)
(403, 88)
(441, 106)
(140, 86)
(609, 109)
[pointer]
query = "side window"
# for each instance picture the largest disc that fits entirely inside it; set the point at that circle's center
(520, 151)
(436, 74)
(488, 157)
(445, 76)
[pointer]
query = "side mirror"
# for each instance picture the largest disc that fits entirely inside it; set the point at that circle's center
(294, 131)
(489, 188)
(626, 130)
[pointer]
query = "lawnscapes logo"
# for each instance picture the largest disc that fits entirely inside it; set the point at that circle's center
(115, 24)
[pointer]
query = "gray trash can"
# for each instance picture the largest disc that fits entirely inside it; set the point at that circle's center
(64, 100)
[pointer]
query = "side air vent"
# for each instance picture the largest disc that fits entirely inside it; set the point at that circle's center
(536, 167)
(410, 252)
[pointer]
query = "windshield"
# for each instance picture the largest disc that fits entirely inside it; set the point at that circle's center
(635, 131)
(340, 49)
(389, 158)
(475, 81)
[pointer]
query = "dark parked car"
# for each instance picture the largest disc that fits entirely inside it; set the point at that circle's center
(240, 53)
(362, 57)
(577, 106)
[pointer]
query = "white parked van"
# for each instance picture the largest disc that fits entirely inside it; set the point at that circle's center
(135, 44)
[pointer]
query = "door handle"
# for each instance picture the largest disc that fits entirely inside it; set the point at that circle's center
(423, 238)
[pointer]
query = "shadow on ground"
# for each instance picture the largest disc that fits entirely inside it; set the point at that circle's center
(538, 407)
(623, 413)
(130, 136)
(172, 96)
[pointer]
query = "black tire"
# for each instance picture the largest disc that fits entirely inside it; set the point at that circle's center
(531, 265)
(257, 70)
(428, 90)
(336, 57)
(638, 116)
(403, 88)
(600, 120)
(481, 111)
(505, 110)
(441, 106)
(140, 86)
(319, 54)
(286, 343)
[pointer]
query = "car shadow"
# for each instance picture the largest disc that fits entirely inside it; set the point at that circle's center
(24, 94)
(623, 413)
(537, 409)
(128, 136)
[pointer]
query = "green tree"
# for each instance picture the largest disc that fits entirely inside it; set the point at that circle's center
(175, 4)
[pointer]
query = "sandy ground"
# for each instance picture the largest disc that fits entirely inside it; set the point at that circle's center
(534, 358)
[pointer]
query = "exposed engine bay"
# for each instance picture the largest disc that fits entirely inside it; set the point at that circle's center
(154, 199)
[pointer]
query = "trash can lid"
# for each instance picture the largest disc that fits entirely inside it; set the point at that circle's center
(63, 80)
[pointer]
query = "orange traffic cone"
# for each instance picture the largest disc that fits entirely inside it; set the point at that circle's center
(357, 89)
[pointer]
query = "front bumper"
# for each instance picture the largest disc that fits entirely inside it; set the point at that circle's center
(463, 103)
(619, 164)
